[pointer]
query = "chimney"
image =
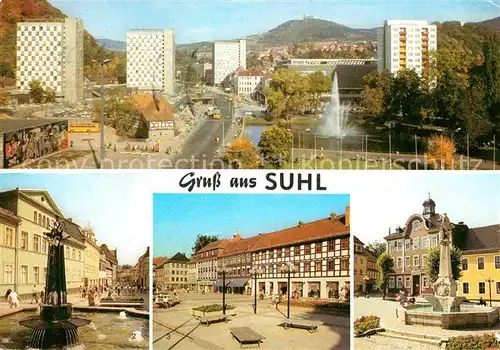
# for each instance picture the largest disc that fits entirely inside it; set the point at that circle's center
(236, 237)
(461, 223)
(333, 216)
(301, 223)
(347, 215)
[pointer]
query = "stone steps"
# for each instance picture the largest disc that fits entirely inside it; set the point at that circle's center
(430, 339)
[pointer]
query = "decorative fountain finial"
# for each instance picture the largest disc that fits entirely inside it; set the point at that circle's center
(55, 325)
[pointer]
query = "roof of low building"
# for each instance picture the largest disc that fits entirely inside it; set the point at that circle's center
(482, 239)
(11, 125)
(213, 245)
(153, 107)
(159, 260)
(240, 246)
(251, 72)
(304, 232)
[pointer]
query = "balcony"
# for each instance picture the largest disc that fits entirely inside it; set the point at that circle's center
(402, 57)
(425, 44)
(402, 49)
(402, 43)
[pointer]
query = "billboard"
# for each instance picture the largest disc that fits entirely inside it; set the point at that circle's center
(31, 143)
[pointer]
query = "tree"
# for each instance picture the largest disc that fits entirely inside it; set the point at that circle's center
(491, 77)
(37, 94)
(385, 265)
(407, 96)
(50, 95)
(441, 150)
(242, 154)
(375, 96)
(377, 248)
(253, 61)
(432, 263)
(276, 145)
(288, 93)
(3, 97)
(6, 72)
(126, 266)
(192, 74)
(202, 241)
(319, 84)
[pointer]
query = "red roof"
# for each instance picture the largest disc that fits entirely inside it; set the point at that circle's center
(306, 232)
(212, 245)
(252, 72)
(159, 260)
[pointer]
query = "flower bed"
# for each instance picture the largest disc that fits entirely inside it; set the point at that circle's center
(210, 309)
(472, 342)
(365, 323)
(321, 304)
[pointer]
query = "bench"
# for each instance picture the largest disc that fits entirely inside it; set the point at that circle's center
(246, 336)
(206, 320)
(300, 324)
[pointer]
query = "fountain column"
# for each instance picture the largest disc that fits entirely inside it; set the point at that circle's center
(445, 288)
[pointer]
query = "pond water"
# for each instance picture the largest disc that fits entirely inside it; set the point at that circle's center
(107, 331)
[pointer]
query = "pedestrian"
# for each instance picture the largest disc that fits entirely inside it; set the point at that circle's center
(34, 295)
(42, 294)
(13, 299)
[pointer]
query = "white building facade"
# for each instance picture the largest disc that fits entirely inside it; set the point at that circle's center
(405, 45)
(52, 53)
(151, 60)
(247, 81)
(228, 56)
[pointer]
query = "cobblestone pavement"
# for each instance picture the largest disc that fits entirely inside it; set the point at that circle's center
(386, 343)
(177, 328)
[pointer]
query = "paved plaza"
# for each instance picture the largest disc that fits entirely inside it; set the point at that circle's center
(176, 328)
(389, 319)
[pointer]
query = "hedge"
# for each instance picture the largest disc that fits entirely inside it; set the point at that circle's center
(365, 323)
(472, 342)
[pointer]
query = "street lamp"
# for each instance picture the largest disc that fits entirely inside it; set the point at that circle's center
(289, 268)
(366, 279)
(489, 280)
(254, 272)
(101, 152)
(454, 131)
(224, 270)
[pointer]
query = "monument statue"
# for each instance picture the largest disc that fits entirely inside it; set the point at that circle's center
(445, 288)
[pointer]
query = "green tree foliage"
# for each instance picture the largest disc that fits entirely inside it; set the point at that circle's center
(242, 154)
(432, 263)
(319, 84)
(192, 74)
(376, 93)
(491, 78)
(276, 145)
(202, 241)
(407, 96)
(3, 97)
(377, 248)
(37, 93)
(385, 265)
(290, 93)
(50, 95)
(253, 61)
(121, 115)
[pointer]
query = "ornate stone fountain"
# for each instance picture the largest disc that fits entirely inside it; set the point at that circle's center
(445, 288)
(54, 326)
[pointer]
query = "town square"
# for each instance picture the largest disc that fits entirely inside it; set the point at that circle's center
(280, 282)
(432, 281)
(68, 281)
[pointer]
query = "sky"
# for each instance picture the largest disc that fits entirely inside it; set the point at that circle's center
(388, 200)
(117, 209)
(179, 218)
(208, 20)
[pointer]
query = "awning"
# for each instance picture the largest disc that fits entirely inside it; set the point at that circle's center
(238, 282)
(218, 283)
(235, 282)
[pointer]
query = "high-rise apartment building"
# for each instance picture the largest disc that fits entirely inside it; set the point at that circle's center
(151, 60)
(51, 52)
(228, 56)
(405, 45)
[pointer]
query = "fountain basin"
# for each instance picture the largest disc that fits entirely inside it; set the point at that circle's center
(469, 316)
(105, 332)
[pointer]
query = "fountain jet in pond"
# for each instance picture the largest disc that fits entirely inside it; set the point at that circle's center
(55, 325)
(336, 114)
(445, 288)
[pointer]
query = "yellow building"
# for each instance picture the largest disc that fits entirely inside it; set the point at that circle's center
(365, 268)
(92, 257)
(37, 213)
(481, 264)
(9, 224)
